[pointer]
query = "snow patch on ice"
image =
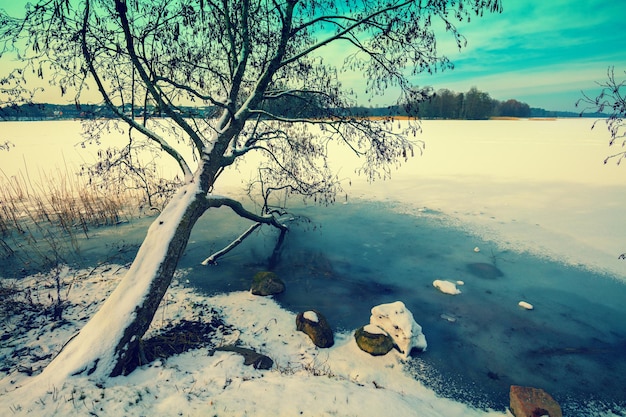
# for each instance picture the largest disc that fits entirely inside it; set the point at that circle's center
(446, 287)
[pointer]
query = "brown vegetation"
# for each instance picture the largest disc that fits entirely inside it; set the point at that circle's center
(49, 214)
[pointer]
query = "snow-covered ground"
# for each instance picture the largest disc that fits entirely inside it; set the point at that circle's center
(305, 380)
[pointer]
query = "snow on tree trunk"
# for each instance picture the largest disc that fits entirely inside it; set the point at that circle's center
(106, 344)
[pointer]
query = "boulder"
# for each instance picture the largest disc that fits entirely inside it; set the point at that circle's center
(532, 402)
(250, 357)
(314, 324)
(267, 283)
(373, 340)
(398, 322)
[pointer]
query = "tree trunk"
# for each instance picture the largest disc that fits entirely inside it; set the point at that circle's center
(109, 342)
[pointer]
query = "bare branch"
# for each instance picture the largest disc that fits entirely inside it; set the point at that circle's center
(612, 98)
(120, 6)
(237, 207)
(212, 260)
(342, 33)
(129, 120)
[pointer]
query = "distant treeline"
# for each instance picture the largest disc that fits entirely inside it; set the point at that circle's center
(472, 105)
(425, 104)
(45, 111)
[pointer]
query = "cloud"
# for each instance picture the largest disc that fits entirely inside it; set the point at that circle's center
(536, 49)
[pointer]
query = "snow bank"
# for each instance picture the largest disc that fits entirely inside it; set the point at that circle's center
(305, 380)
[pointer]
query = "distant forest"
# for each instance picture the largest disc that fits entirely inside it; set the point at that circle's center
(426, 104)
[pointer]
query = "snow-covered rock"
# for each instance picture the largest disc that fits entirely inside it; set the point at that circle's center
(373, 340)
(314, 324)
(311, 316)
(446, 287)
(398, 322)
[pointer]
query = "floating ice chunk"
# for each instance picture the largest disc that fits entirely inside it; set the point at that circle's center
(460, 283)
(311, 316)
(476, 249)
(526, 305)
(398, 322)
(446, 287)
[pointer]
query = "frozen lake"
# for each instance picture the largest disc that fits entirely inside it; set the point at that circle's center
(533, 196)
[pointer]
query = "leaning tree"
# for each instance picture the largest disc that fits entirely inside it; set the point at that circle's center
(240, 61)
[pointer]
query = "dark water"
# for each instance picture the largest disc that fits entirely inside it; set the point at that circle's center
(353, 257)
(349, 258)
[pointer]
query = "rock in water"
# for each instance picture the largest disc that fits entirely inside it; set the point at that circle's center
(532, 402)
(266, 283)
(484, 270)
(398, 322)
(314, 324)
(373, 340)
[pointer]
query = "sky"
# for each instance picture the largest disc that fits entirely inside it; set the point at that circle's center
(539, 52)
(543, 53)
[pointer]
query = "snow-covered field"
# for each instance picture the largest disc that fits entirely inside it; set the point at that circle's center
(531, 186)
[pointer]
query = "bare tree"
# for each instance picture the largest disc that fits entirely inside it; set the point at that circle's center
(612, 101)
(236, 57)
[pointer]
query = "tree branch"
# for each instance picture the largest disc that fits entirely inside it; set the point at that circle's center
(341, 34)
(238, 208)
(212, 260)
(129, 120)
(120, 6)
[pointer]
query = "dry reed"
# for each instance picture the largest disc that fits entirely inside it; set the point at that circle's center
(47, 214)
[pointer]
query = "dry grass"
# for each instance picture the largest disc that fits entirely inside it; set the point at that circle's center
(504, 118)
(60, 201)
(49, 213)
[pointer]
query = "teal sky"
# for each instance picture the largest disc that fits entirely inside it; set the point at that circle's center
(542, 52)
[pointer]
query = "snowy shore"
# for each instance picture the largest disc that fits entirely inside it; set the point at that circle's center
(305, 380)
